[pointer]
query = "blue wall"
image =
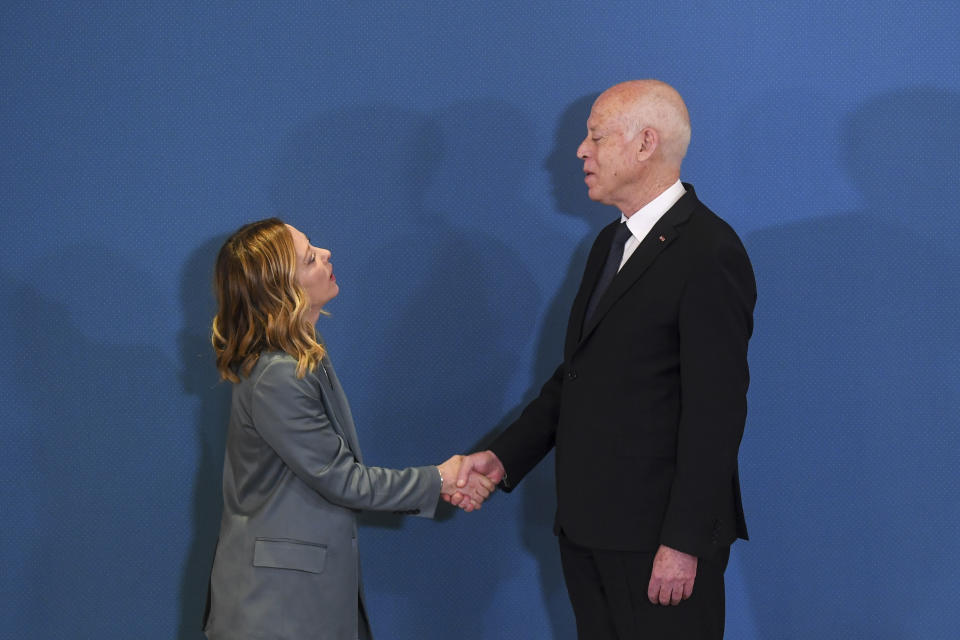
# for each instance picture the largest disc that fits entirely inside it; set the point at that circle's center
(431, 148)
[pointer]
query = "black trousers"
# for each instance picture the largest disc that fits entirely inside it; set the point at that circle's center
(608, 591)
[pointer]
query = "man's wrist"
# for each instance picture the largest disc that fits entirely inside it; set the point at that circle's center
(503, 469)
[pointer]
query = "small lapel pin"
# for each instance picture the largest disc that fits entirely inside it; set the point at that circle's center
(662, 239)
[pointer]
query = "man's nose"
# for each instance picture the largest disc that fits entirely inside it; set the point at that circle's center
(582, 151)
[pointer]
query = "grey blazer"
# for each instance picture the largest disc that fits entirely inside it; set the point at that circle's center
(286, 565)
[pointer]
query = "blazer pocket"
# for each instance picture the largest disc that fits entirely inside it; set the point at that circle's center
(282, 553)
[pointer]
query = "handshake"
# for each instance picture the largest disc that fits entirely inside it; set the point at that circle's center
(469, 480)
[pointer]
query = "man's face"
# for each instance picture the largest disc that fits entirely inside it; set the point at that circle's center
(609, 155)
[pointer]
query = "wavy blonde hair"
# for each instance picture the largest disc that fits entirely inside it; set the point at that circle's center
(261, 306)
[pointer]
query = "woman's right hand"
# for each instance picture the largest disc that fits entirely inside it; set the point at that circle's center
(477, 489)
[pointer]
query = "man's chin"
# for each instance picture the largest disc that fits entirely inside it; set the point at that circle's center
(594, 194)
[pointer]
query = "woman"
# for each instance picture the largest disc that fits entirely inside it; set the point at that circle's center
(286, 564)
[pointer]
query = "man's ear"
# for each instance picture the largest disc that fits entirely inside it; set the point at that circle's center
(649, 140)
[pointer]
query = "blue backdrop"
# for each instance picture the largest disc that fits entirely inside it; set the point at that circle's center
(430, 146)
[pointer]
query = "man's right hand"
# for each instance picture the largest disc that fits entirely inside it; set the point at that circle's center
(485, 462)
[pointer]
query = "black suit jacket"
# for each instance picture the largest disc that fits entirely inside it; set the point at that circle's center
(647, 409)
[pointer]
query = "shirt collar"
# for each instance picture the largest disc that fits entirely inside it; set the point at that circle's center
(643, 220)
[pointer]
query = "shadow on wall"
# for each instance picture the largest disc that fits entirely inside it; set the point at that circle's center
(105, 461)
(570, 198)
(538, 489)
(424, 333)
(21, 476)
(436, 306)
(566, 169)
(199, 378)
(852, 447)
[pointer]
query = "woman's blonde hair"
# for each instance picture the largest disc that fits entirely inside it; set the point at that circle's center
(261, 306)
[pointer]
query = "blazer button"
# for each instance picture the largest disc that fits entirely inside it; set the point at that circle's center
(572, 374)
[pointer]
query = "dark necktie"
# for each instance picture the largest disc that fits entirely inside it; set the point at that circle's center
(610, 268)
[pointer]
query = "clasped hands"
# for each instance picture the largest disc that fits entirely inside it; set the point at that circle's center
(469, 480)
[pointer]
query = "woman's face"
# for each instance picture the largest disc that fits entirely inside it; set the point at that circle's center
(314, 271)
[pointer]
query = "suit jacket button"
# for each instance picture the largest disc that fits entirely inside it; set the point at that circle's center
(572, 374)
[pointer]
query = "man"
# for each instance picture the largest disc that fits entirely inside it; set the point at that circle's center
(647, 409)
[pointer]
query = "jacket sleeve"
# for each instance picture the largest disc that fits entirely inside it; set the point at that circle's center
(291, 418)
(715, 323)
(531, 436)
(525, 442)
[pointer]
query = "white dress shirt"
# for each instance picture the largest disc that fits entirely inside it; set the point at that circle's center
(643, 220)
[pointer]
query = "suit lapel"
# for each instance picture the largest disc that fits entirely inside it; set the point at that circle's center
(336, 402)
(591, 273)
(667, 229)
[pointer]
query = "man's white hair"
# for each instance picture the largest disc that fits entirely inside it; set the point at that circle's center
(659, 106)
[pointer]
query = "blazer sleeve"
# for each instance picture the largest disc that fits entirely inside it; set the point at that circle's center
(291, 418)
(715, 323)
